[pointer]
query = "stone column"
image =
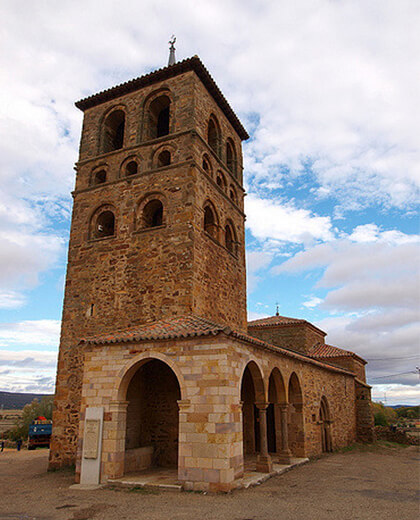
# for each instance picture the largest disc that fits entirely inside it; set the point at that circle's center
(113, 452)
(264, 464)
(283, 452)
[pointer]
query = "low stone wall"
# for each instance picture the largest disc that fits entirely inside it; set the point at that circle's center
(138, 459)
(387, 434)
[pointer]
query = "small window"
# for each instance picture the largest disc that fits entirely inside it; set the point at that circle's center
(164, 159)
(206, 166)
(99, 177)
(159, 117)
(210, 225)
(113, 131)
(220, 180)
(105, 225)
(229, 239)
(230, 157)
(213, 136)
(153, 214)
(232, 195)
(131, 168)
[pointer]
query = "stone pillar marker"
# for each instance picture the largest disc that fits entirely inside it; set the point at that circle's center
(264, 463)
(284, 455)
(92, 446)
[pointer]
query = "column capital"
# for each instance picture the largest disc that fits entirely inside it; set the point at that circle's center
(283, 406)
(262, 405)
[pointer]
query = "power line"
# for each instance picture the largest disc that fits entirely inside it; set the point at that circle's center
(392, 358)
(394, 375)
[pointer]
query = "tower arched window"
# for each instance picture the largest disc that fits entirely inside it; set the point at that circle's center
(230, 240)
(213, 135)
(232, 195)
(152, 214)
(210, 221)
(113, 131)
(164, 159)
(230, 157)
(159, 117)
(104, 225)
(131, 168)
(220, 180)
(99, 177)
(206, 165)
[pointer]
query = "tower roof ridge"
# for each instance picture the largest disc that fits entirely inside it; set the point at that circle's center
(189, 64)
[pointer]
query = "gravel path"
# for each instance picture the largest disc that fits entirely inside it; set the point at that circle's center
(381, 483)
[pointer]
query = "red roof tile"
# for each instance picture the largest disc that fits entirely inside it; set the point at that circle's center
(177, 327)
(280, 321)
(190, 64)
(329, 351)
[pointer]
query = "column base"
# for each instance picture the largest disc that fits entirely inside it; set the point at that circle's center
(264, 464)
(284, 457)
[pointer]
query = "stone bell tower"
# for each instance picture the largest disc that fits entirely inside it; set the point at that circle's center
(157, 226)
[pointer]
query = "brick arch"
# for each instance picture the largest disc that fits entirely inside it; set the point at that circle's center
(125, 375)
(119, 107)
(130, 158)
(276, 387)
(296, 425)
(214, 134)
(99, 167)
(205, 159)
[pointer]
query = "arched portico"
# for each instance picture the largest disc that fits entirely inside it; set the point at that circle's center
(277, 427)
(295, 423)
(254, 416)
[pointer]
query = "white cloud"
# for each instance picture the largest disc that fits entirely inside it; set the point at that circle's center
(11, 299)
(313, 301)
(256, 261)
(283, 222)
(30, 332)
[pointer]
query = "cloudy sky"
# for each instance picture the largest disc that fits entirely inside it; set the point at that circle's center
(329, 94)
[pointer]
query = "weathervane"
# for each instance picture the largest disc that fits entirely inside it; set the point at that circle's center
(172, 50)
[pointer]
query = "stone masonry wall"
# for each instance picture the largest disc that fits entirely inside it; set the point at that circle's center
(209, 371)
(300, 337)
(139, 275)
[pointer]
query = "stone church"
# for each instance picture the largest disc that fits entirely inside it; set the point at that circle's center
(158, 366)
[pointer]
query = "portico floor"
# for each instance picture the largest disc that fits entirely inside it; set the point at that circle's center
(167, 478)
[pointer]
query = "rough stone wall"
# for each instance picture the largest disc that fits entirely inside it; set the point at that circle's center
(209, 371)
(349, 363)
(300, 337)
(140, 275)
(364, 413)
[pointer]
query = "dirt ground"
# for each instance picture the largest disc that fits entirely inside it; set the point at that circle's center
(378, 483)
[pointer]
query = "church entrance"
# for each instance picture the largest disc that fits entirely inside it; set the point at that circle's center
(152, 418)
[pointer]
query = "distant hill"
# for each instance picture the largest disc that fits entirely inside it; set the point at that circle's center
(15, 401)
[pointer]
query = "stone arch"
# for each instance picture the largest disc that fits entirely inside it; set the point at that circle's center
(152, 391)
(295, 419)
(210, 220)
(252, 391)
(214, 134)
(102, 222)
(157, 156)
(231, 161)
(325, 422)
(130, 166)
(151, 211)
(276, 399)
(131, 368)
(158, 114)
(221, 180)
(99, 175)
(231, 240)
(112, 129)
(206, 165)
(232, 194)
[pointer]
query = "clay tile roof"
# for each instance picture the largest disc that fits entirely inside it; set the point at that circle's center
(281, 321)
(190, 64)
(177, 327)
(329, 351)
(274, 320)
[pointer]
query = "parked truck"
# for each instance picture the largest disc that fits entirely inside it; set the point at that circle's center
(40, 431)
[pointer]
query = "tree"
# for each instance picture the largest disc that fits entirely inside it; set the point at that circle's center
(30, 412)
